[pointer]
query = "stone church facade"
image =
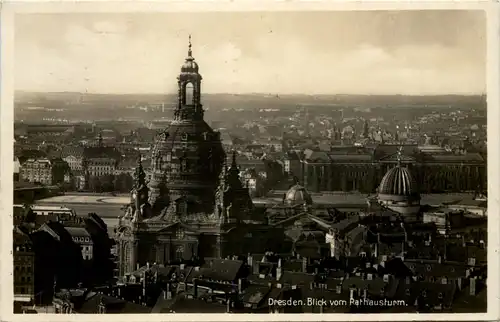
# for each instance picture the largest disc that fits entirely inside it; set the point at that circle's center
(195, 205)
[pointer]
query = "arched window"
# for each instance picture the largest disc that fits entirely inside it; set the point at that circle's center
(189, 94)
(179, 252)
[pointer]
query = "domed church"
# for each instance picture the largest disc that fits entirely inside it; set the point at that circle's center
(398, 191)
(195, 206)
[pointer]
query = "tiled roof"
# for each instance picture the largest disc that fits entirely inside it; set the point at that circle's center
(436, 270)
(222, 269)
(78, 231)
(296, 278)
(112, 304)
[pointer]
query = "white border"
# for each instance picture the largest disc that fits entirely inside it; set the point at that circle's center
(8, 10)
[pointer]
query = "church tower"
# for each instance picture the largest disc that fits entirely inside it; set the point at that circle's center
(189, 107)
(187, 157)
(234, 204)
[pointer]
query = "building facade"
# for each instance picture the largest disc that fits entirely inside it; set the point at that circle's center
(24, 262)
(44, 171)
(351, 168)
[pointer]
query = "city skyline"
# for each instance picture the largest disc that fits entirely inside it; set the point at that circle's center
(123, 53)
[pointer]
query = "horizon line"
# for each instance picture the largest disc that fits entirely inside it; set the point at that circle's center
(254, 93)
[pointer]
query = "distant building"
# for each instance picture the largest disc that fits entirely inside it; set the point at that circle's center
(74, 157)
(44, 171)
(352, 168)
(99, 167)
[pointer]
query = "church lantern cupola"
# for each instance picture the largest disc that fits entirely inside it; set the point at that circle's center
(189, 107)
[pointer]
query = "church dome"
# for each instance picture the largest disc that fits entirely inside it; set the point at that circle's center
(398, 184)
(298, 195)
(188, 156)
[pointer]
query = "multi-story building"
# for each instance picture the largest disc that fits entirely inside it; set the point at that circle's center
(99, 167)
(24, 262)
(74, 157)
(44, 171)
(352, 168)
(82, 238)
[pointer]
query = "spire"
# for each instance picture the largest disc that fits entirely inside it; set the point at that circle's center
(233, 175)
(99, 139)
(139, 175)
(190, 52)
(400, 152)
(233, 163)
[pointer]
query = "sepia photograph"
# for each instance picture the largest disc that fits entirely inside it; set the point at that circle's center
(250, 162)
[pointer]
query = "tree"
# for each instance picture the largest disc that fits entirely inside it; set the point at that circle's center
(95, 184)
(107, 183)
(123, 182)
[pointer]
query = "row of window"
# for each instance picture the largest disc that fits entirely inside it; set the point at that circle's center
(23, 290)
(23, 269)
(23, 279)
(24, 248)
(81, 239)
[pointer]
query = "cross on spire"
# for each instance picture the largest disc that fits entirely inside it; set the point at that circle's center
(400, 152)
(190, 52)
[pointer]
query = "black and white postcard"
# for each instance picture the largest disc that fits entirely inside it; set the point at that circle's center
(244, 161)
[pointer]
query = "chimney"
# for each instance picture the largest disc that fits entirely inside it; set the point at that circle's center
(278, 270)
(473, 286)
(304, 265)
(195, 287)
(182, 266)
(119, 291)
(338, 289)
(351, 294)
(147, 265)
(168, 292)
(250, 260)
(228, 306)
(239, 285)
(439, 259)
(255, 268)
(138, 266)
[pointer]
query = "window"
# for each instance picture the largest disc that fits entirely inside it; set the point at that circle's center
(408, 292)
(179, 234)
(179, 252)
(189, 99)
(424, 293)
(440, 296)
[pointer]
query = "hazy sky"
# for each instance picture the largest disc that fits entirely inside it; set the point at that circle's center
(372, 52)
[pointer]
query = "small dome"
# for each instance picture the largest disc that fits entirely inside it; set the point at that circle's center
(189, 66)
(298, 195)
(398, 182)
